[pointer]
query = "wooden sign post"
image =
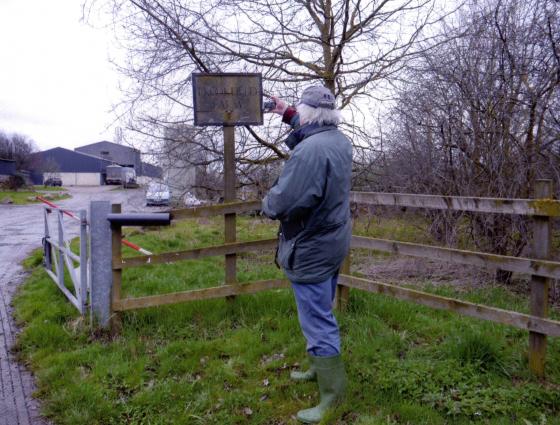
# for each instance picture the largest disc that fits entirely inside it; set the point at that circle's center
(228, 100)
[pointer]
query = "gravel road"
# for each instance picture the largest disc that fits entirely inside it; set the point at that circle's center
(21, 230)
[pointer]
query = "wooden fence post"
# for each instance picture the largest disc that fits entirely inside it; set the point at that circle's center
(116, 258)
(229, 196)
(342, 291)
(539, 284)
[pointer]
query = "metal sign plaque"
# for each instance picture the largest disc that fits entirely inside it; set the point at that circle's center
(227, 99)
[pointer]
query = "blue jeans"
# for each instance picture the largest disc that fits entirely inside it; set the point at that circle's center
(318, 324)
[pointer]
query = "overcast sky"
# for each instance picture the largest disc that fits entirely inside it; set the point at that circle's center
(56, 83)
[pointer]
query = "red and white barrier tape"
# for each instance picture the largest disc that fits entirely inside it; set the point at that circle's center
(136, 247)
(50, 204)
(71, 215)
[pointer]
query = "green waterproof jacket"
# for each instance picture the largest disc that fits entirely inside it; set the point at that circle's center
(311, 200)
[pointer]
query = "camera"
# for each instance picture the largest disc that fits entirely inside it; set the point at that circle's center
(269, 105)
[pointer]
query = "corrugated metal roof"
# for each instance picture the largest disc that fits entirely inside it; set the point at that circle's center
(69, 161)
(107, 144)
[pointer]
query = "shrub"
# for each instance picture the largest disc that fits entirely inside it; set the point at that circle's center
(13, 183)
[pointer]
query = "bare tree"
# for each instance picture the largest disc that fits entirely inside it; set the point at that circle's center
(352, 47)
(478, 116)
(17, 147)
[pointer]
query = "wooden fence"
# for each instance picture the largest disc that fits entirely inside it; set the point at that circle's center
(540, 267)
(229, 250)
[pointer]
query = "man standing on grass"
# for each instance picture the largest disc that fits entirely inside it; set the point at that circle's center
(311, 200)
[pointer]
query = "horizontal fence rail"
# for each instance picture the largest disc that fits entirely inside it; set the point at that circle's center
(538, 207)
(215, 210)
(199, 294)
(504, 262)
(530, 207)
(65, 250)
(196, 253)
(479, 311)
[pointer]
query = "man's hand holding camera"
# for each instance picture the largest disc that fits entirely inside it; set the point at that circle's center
(276, 106)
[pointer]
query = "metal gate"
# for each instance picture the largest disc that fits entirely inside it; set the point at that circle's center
(59, 260)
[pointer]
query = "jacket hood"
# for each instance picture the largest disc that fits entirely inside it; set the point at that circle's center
(305, 131)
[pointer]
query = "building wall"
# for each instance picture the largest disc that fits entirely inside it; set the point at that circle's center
(80, 179)
(150, 170)
(144, 180)
(175, 160)
(7, 167)
(179, 180)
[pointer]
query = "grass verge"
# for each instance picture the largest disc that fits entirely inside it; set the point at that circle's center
(220, 362)
(43, 188)
(28, 196)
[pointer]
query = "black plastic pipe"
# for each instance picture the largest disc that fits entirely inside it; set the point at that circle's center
(140, 219)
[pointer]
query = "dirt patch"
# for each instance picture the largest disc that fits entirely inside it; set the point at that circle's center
(419, 271)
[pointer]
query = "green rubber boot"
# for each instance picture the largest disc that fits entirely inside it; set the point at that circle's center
(307, 375)
(331, 378)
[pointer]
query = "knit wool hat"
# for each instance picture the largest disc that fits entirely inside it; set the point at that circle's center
(318, 97)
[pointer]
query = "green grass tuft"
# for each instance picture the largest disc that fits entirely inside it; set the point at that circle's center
(474, 347)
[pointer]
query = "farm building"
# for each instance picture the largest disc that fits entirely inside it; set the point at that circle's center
(124, 156)
(74, 168)
(151, 171)
(86, 165)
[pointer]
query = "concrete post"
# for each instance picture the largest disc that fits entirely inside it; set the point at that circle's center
(101, 266)
(116, 240)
